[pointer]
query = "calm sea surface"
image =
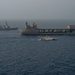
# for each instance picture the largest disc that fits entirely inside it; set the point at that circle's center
(26, 55)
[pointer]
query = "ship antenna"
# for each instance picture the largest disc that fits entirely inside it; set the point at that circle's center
(26, 23)
(7, 24)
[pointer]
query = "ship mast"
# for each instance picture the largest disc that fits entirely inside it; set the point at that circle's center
(7, 26)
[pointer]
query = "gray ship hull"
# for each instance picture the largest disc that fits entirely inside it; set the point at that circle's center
(46, 32)
(34, 30)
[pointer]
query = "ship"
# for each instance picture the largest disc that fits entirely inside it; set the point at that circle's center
(7, 27)
(34, 30)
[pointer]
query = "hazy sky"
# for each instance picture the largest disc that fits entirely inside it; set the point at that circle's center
(37, 9)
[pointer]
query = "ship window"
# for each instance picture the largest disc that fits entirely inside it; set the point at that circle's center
(46, 30)
(39, 31)
(54, 30)
(63, 30)
(50, 30)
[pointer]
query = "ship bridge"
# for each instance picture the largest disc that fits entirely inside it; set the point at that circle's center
(33, 26)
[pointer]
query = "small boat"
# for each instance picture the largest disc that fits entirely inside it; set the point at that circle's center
(47, 38)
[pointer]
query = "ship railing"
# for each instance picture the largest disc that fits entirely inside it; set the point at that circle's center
(53, 30)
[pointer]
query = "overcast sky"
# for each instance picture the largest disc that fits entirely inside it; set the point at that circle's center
(37, 9)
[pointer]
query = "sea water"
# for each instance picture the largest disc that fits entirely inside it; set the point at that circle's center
(27, 55)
